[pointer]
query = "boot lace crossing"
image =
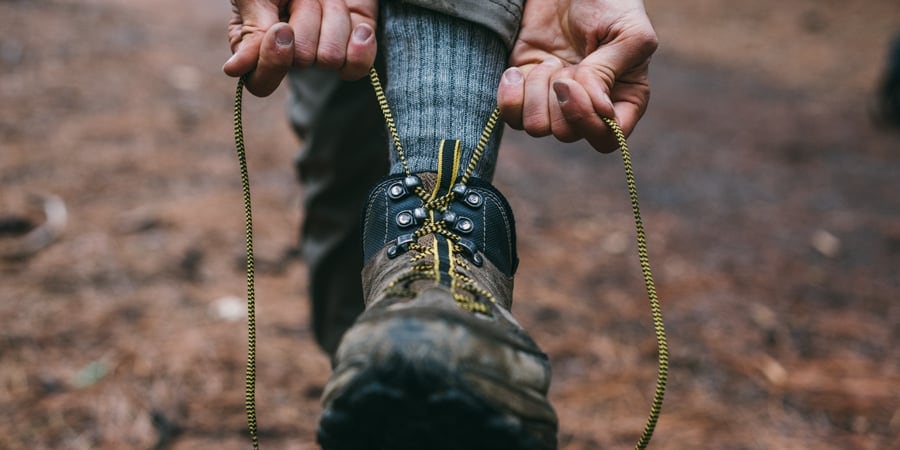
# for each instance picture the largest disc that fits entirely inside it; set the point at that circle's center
(463, 255)
(466, 292)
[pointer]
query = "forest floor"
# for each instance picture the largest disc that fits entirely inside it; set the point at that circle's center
(770, 198)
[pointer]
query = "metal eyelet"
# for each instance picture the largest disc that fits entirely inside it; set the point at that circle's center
(393, 251)
(469, 246)
(471, 251)
(400, 245)
(396, 191)
(405, 219)
(460, 189)
(464, 225)
(477, 260)
(405, 239)
(474, 199)
(420, 213)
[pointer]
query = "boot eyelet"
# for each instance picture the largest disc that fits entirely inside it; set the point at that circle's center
(471, 251)
(400, 245)
(405, 219)
(477, 260)
(393, 251)
(474, 199)
(420, 213)
(397, 191)
(465, 225)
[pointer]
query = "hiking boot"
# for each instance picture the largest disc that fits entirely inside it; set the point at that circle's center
(436, 361)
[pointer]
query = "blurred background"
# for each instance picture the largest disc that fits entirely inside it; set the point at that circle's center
(769, 189)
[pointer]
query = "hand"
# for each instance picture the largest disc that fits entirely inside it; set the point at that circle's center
(268, 37)
(594, 54)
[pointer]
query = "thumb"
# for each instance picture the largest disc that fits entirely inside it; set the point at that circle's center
(276, 55)
(246, 30)
(361, 50)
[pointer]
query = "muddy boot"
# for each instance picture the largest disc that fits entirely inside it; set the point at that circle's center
(437, 361)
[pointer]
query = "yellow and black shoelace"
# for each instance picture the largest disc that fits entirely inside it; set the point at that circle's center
(438, 204)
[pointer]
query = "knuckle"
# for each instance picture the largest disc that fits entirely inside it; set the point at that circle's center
(536, 125)
(575, 118)
(330, 56)
(563, 132)
(644, 41)
(304, 54)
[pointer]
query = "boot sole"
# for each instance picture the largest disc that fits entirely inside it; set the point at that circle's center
(404, 402)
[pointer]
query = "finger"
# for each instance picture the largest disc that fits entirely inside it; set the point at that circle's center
(306, 20)
(245, 34)
(361, 52)
(535, 109)
(628, 99)
(333, 36)
(245, 56)
(627, 115)
(559, 96)
(578, 110)
(511, 96)
(275, 59)
(608, 64)
(631, 96)
(598, 82)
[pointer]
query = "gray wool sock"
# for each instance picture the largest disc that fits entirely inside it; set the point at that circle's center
(442, 77)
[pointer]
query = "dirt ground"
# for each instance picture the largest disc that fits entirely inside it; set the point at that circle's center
(770, 198)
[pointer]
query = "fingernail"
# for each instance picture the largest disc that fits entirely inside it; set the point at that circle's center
(609, 104)
(362, 32)
(284, 37)
(513, 75)
(562, 91)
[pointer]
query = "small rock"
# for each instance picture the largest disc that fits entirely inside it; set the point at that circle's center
(615, 243)
(90, 374)
(774, 372)
(229, 308)
(826, 243)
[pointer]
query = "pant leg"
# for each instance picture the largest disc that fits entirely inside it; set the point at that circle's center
(500, 16)
(344, 153)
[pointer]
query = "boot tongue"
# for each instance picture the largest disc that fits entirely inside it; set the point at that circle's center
(429, 180)
(449, 170)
